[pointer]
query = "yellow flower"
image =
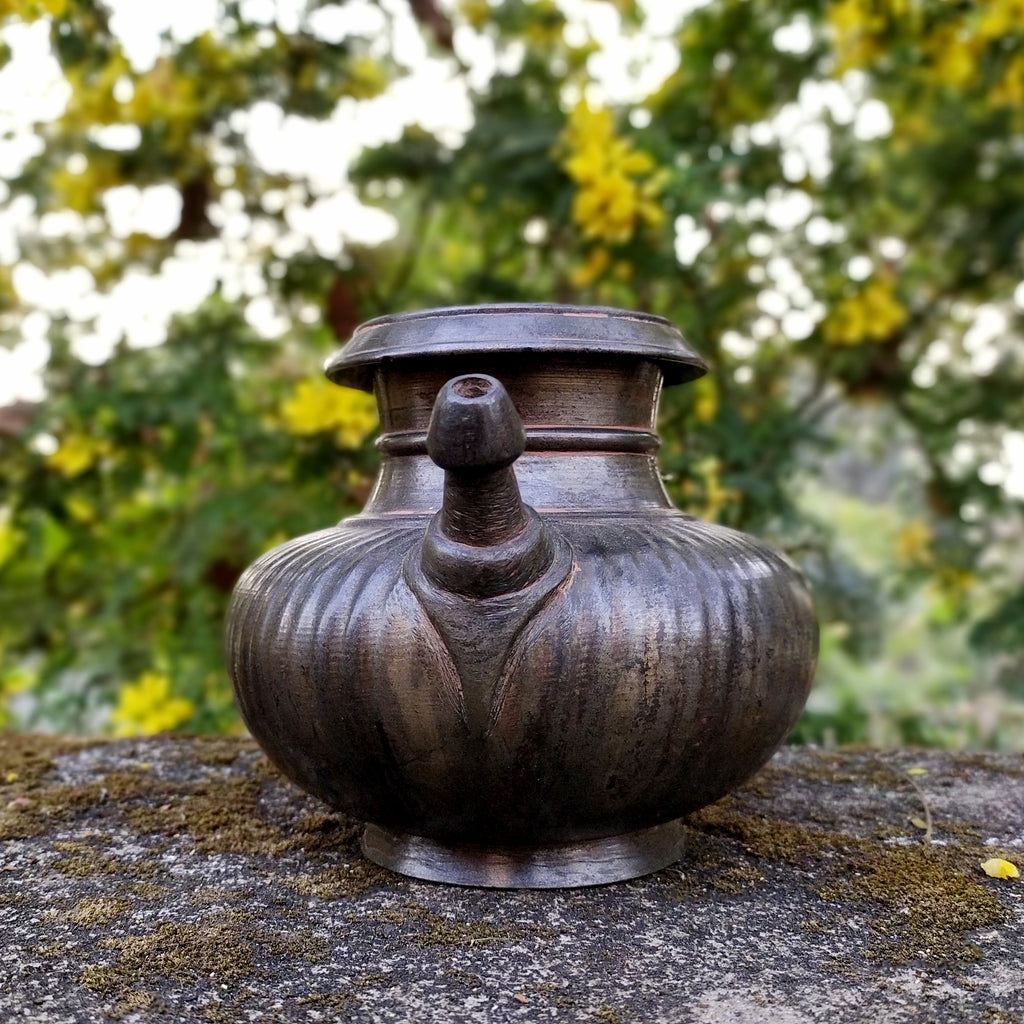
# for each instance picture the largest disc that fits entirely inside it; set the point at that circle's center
(476, 12)
(954, 56)
(996, 867)
(1009, 92)
(914, 544)
(714, 494)
(366, 78)
(705, 409)
(871, 315)
(76, 454)
(147, 706)
(166, 96)
(855, 26)
(545, 26)
(82, 191)
(10, 537)
(596, 264)
(1001, 18)
(13, 680)
(953, 583)
(317, 406)
(617, 184)
(80, 509)
(606, 209)
(29, 10)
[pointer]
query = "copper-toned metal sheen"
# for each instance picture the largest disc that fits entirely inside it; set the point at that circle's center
(520, 664)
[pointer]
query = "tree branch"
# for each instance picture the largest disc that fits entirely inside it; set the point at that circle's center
(431, 18)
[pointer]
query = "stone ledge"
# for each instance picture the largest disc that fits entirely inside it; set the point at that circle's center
(182, 879)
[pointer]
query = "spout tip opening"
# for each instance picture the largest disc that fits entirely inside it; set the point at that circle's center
(473, 386)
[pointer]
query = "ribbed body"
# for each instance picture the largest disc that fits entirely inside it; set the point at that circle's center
(665, 670)
(650, 664)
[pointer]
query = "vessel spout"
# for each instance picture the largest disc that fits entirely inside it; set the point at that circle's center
(484, 541)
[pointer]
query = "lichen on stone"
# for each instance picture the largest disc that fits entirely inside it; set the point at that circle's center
(438, 930)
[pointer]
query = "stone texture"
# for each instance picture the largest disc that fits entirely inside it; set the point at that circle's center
(183, 880)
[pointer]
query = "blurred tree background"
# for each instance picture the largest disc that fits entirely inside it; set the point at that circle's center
(203, 199)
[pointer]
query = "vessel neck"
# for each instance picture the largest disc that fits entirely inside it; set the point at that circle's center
(549, 392)
(590, 438)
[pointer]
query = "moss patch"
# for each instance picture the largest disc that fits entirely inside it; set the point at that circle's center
(980, 761)
(133, 1002)
(148, 890)
(219, 950)
(302, 943)
(711, 864)
(217, 751)
(461, 977)
(736, 879)
(98, 910)
(342, 882)
(438, 930)
(331, 1002)
(993, 1015)
(33, 813)
(375, 979)
(922, 899)
(932, 904)
(86, 866)
(100, 979)
(25, 761)
(327, 833)
(767, 838)
(223, 816)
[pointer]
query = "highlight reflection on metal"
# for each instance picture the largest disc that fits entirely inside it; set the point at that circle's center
(520, 664)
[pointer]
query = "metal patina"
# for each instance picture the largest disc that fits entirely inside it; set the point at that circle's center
(520, 665)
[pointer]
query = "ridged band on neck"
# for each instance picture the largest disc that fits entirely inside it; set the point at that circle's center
(550, 439)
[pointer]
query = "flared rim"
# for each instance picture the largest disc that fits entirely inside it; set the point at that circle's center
(514, 329)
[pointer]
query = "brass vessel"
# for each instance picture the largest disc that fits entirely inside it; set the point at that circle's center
(520, 665)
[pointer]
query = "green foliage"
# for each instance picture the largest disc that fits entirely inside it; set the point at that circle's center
(834, 275)
(123, 545)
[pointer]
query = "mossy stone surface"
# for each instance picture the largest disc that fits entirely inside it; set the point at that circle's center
(179, 879)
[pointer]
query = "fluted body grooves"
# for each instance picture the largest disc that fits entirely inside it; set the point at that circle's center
(643, 663)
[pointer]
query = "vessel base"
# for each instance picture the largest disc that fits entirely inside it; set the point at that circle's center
(555, 866)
